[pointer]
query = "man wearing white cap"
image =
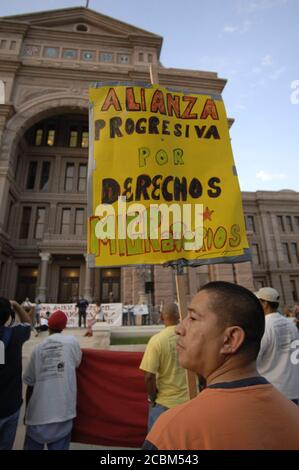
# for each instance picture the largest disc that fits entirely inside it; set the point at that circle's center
(274, 359)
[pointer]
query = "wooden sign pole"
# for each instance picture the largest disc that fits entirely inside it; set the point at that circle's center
(179, 275)
(180, 283)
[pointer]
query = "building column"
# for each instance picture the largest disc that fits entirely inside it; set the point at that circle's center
(41, 291)
(57, 174)
(221, 272)
(51, 225)
(164, 285)
(203, 275)
(7, 280)
(127, 285)
(192, 280)
(237, 273)
(271, 246)
(285, 290)
(139, 295)
(277, 244)
(16, 222)
(4, 191)
(87, 293)
(244, 275)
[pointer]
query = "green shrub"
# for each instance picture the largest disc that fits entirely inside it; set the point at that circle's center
(130, 340)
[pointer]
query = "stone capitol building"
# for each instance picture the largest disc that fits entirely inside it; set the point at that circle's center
(47, 62)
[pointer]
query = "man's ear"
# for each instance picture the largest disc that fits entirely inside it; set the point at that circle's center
(233, 338)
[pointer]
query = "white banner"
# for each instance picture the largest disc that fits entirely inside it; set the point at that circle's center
(141, 309)
(110, 313)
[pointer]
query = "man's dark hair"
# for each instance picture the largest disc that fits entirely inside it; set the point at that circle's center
(235, 305)
(273, 305)
(5, 310)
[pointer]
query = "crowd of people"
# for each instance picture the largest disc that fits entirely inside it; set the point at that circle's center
(235, 341)
(220, 340)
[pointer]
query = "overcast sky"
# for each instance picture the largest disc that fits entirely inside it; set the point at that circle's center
(252, 43)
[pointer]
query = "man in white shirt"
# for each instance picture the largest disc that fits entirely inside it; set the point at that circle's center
(52, 388)
(43, 324)
(274, 359)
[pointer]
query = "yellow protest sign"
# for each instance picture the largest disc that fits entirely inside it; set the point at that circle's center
(155, 150)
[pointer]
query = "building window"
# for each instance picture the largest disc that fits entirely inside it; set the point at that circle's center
(82, 180)
(110, 285)
(38, 137)
(79, 221)
(140, 57)
(26, 283)
(44, 179)
(281, 223)
(82, 27)
(31, 175)
(250, 223)
(3, 43)
(289, 223)
(51, 52)
(69, 54)
(31, 51)
(256, 259)
(286, 252)
(39, 223)
(294, 251)
(69, 177)
(150, 58)
(123, 58)
(25, 224)
(84, 140)
(12, 46)
(88, 55)
(294, 290)
(106, 57)
(73, 140)
(51, 137)
(65, 221)
(297, 223)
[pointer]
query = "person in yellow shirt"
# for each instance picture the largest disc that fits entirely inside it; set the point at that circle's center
(165, 379)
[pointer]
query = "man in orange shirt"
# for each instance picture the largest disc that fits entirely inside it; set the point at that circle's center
(220, 340)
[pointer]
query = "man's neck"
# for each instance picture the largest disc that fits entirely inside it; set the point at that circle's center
(230, 372)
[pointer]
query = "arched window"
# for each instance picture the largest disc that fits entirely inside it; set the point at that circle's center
(82, 27)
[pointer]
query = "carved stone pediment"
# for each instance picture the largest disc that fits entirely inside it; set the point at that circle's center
(68, 19)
